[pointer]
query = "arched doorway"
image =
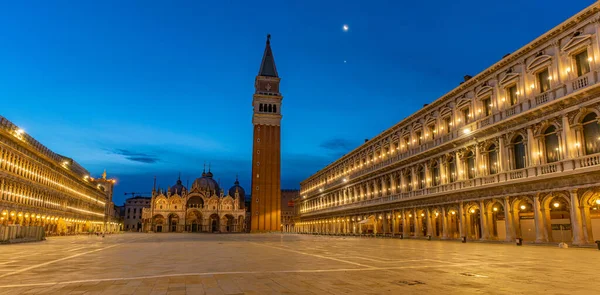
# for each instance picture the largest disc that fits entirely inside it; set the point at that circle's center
(158, 221)
(173, 222)
(229, 223)
(557, 218)
(524, 219)
(496, 220)
(590, 203)
(214, 223)
(421, 223)
(473, 221)
(194, 221)
(436, 223)
(453, 223)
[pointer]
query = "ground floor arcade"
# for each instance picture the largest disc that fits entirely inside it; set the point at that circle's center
(571, 216)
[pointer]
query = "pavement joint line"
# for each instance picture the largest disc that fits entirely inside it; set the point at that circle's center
(257, 272)
(75, 249)
(314, 255)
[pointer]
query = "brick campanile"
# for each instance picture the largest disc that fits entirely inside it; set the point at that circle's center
(266, 151)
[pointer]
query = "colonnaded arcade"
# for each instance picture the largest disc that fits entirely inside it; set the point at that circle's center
(40, 188)
(513, 152)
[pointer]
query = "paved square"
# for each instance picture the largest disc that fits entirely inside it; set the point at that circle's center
(292, 264)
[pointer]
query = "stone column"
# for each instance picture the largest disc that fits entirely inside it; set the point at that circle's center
(417, 223)
(444, 224)
(541, 236)
(405, 223)
(483, 218)
(429, 223)
(508, 220)
(532, 151)
(393, 223)
(576, 220)
(461, 220)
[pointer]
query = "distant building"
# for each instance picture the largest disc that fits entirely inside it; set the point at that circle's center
(39, 187)
(204, 208)
(287, 209)
(132, 213)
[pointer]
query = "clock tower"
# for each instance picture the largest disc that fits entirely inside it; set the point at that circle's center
(266, 151)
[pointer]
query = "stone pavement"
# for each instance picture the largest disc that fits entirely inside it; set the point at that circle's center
(175, 263)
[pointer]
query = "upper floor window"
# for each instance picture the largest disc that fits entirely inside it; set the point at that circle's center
(452, 169)
(487, 106)
(582, 63)
(493, 159)
(419, 137)
(591, 134)
(406, 142)
(519, 152)
(543, 78)
(447, 124)
(470, 161)
(436, 174)
(551, 144)
(466, 113)
(431, 130)
(421, 177)
(511, 92)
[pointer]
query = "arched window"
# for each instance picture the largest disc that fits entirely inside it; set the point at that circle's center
(270, 108)
(435, 170)
(492, 159)
(388, 185)
(551, 144)
(260, 108)
(409, 181)
(519, 152)
(452, 169)
(274, 108)
(591, 134)
(470, 160)
(421, 177)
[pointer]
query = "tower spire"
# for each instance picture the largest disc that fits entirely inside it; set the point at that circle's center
(267, 66)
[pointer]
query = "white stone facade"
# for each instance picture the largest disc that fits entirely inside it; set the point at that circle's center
(513, 152)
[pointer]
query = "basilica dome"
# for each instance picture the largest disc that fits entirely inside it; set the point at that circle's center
(239, 189)
(178, 188)
(206, 183)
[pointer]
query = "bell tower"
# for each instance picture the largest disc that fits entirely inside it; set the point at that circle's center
(266, 152)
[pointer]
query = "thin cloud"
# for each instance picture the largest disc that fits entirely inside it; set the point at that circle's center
(136, 156)
(337, 145)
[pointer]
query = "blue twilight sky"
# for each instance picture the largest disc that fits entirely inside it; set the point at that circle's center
(144, 88)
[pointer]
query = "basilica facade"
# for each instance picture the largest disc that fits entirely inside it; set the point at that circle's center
(510, 154)
(205, 207)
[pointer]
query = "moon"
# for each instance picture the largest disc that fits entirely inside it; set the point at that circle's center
(345, 28)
